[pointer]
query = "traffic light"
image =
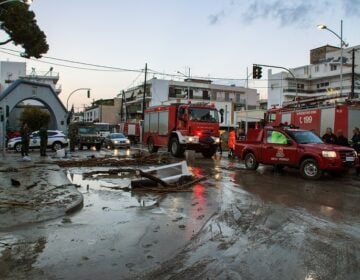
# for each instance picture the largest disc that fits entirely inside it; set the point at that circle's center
(257, 72)
(88, 93)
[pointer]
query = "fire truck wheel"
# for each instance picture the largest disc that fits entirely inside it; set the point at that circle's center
(251, 162)
(175, 147)
(209, 153)
(151, 147)
(309, 169)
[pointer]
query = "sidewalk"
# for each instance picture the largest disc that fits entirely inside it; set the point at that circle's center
(34, 191)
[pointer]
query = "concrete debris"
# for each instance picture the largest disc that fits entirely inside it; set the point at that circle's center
(120, 161)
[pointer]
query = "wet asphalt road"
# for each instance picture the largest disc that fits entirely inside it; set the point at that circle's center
(237, 224)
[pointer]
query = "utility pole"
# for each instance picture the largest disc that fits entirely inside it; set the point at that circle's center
(122, 105)
(144, 103)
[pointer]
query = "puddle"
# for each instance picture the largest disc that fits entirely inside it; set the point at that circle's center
(97, 190)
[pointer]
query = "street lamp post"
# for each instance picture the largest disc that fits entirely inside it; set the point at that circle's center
(67, 101)
(342, 44)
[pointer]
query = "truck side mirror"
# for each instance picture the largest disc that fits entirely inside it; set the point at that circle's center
(182, 114)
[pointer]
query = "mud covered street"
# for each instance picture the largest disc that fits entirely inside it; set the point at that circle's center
(236, 224)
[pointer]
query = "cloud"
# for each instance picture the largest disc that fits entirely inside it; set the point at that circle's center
(215, 18)
(294, 12)
(351, 7)
(286, 12)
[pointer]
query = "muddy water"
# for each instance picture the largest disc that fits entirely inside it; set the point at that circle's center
(235, 225)
(117, 233)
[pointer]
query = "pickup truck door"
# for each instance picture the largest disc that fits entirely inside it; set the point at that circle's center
(278, 149)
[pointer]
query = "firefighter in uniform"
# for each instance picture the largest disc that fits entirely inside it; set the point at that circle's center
(231, 141)
(72, 137)
(43, 140)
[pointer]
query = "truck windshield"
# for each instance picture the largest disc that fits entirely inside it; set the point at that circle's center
(87, 130)
(203, 115)
(305, 137)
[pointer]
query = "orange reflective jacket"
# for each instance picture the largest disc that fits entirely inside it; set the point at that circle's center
(232, 139)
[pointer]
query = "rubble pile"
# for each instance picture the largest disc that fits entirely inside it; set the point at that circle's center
(152, 159)
(151, 183)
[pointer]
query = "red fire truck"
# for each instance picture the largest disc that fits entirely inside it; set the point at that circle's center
(131, 131)
(181, 127)
(337, 116)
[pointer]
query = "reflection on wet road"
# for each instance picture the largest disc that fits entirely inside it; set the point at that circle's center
(235, 225)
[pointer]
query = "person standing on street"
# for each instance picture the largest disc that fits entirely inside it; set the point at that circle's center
(25, 139)
(356, 139)
(329, 137)
(341, 139)
(43, 140)
(231, 141)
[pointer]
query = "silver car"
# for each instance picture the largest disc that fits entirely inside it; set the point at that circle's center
(116, 140)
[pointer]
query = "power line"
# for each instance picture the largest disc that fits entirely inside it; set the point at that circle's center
(81, 63)
(61, 65)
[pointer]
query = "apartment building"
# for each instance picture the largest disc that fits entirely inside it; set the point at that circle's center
(329, 74)
(103, 110)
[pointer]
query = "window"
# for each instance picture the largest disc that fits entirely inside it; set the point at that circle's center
(203, 114)
(333, 67)
(206, 95)
(300, 86)
(322, 85)
(276, 137)
(316, 68)
(272, 117)
(227, 96)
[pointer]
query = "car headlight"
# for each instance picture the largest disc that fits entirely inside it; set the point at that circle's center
(217, 140)
(329, 154)
(116, 142)
(127, 141)
(191, 139)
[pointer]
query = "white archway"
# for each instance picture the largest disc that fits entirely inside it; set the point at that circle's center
(21, 90)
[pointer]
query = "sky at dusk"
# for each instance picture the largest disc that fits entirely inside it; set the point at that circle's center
(214, 38)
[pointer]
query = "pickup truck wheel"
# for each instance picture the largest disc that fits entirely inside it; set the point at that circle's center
(151, 147)
(56, 146)
(309, 169)
(17, 147)
(251, 162)
(98, 147)
(175, 147)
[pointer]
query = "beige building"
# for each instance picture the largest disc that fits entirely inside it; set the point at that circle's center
(104, 111)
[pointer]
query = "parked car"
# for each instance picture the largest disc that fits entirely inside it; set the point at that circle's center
(297, 148)
(56, 141)
(116, 140)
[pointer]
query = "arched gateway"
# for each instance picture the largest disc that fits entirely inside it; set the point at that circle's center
(21, 90)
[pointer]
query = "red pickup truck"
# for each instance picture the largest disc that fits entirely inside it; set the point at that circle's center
(297, 148)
